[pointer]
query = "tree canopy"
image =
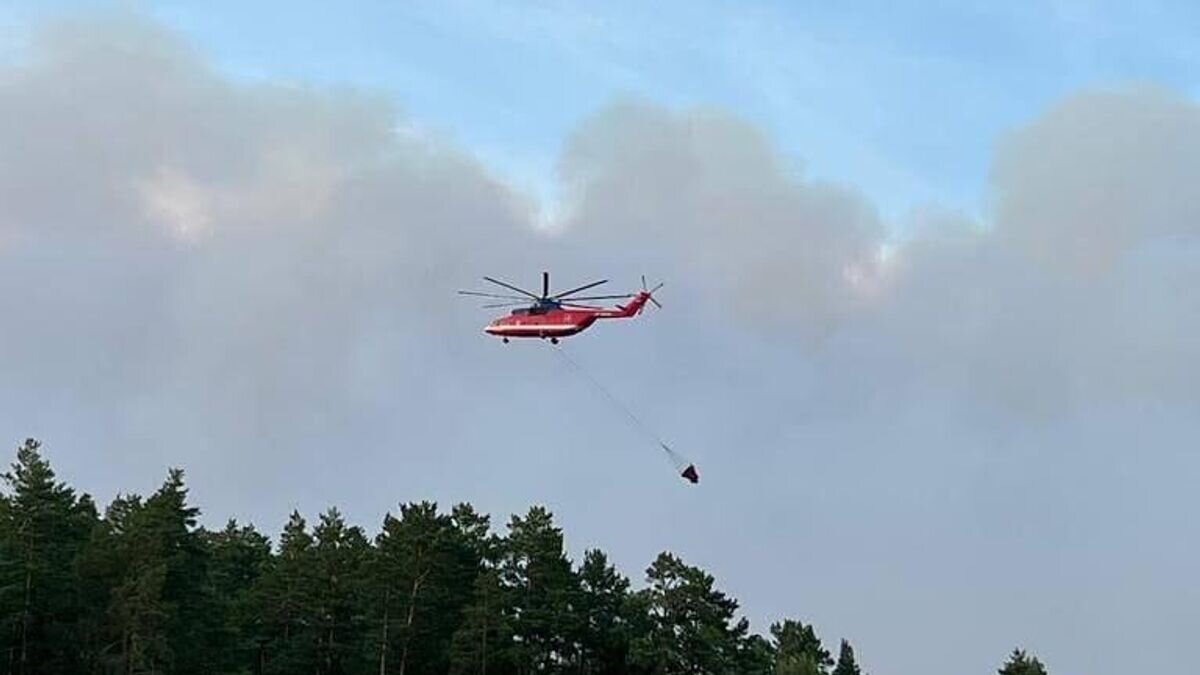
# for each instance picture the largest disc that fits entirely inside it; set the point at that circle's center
(143, 588)
(1020, 663)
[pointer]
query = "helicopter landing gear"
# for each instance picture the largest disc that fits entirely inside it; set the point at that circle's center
(504, 340)
(553, 340)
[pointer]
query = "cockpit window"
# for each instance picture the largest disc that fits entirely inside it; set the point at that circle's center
(535, 309)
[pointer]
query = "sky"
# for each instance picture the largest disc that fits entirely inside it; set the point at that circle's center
(927, 325)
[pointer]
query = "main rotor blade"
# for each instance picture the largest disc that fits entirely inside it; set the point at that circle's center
(506, 304)
(602, 297)
(545, 284)
(573, 305)
(492, 295)
(581, 288)
(510, 287)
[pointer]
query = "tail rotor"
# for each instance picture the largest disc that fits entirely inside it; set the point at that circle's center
(650, 294)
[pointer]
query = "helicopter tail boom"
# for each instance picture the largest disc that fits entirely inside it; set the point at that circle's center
(635, 306)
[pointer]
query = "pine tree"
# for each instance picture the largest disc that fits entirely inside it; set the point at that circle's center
(482, 643)
(688, 625)
(474, 531)
(144, 590)
(195, 622)
(605, 629)
(340, 555)
(756, 656)
(1020, 663)
(542, 591)
(165, 617)
(135, 571)
(422, 564)
(285, 601)
(239, 558)
(103, 567)
(798, 650)
(846, 665)
(43, 527)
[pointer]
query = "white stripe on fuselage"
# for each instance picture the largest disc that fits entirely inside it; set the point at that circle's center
(534, 327)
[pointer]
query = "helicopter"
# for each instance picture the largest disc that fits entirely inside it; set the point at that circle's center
(554, 316)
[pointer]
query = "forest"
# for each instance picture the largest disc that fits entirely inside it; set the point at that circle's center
(142, 588)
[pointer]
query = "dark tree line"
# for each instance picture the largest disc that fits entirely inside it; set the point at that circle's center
(141, 589)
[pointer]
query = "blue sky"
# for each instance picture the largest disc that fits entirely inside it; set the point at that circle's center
(902, 100)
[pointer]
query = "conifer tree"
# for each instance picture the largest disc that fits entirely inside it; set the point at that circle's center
(603, 609)
(755, 656)
(239, 558)
(195, 621)
(165, 610)
(798, 650)
(846, 664)
(1020, 663)
(422, 563)
(542, 590)
(689, 626)
(285, 601)
(43, 527)
(144, 590)
(340, 554)
(103, 568)
(483, 643)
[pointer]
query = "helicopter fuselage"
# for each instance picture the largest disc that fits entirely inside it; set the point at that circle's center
(554, 321)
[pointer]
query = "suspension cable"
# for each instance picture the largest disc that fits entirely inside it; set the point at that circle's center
(681, 464)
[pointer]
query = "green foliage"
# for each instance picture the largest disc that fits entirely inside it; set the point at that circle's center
(285, 602)
(145, 590)
(541, 591)
(687, 626)
(162, 615)
(1020, 663)
(240, 559)
(798, 650)
(603, 610)
(483, 642)
(846, 664)
(43, 529)
(340, 554)
(423, 568)
(756, 656)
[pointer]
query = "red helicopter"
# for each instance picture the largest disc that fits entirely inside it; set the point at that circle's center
(559, 315)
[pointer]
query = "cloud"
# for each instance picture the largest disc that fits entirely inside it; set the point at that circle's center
(177, 201)
(242, 247)
(1066, 296)
(233, 255)
(709, 192)
(182, 254)
(1098, 175)
(1069, 297)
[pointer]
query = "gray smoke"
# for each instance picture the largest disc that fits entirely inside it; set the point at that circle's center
(1072, 292)
(1099, 177)
(710, 192)
(1073, 296)
(192, 261)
